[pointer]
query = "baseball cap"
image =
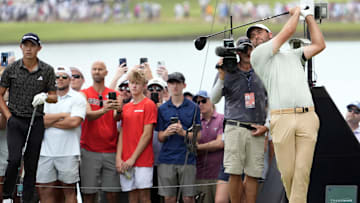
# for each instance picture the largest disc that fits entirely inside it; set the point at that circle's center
(125, 82)
(201, 93)
(78, 70)
(157, 81)
(256, 26)
(63, 69)
(176, 76)
(243, 41)
(355, 103)
(31, 37)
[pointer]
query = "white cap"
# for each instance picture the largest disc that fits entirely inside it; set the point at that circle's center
(157, 81)
(63, 69)
(256, 26)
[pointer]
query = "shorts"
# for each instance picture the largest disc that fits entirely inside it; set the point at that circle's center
(3, 153)
(95, 166)
(243, 152)
(222, 175)
(64, 169)
(141, 178)
(171, 175)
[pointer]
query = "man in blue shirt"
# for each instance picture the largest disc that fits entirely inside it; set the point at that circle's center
(175, 117)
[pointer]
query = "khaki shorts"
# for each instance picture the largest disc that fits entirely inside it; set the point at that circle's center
(64, 169)
(171, 175)
(243, 153)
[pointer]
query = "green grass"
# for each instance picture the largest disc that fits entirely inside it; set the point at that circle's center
(164, 28)
(65, 32)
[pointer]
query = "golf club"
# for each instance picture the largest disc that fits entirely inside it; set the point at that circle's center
(200, 42)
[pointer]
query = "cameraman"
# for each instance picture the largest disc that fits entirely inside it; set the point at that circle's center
(245, 114)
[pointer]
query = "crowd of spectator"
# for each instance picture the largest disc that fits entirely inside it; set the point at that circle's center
(120, 10)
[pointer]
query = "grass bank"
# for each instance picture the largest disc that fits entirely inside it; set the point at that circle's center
(169, 30)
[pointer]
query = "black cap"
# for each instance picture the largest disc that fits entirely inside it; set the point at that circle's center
(243, 40)
(176, 76)
(31, 37)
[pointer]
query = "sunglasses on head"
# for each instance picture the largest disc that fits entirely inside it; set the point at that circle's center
(101, 101)
(62, 76)
(124, 88)
(155, 88)
(76, 76)
(353, 109)
(202, 101)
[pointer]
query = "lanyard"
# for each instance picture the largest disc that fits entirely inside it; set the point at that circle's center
(249, 78)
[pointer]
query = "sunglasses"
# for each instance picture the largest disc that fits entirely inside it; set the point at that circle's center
(155, 88)
(101, 101)
(76, 76)
(124, 88)
(202, 101)
(355, 110)
(62, 76)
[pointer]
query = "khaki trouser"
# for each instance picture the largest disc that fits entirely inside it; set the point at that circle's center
(294, 137)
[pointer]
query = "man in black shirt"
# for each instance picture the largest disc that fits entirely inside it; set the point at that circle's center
(28, 81)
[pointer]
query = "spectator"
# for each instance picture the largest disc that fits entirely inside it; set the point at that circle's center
(125, 91)
(210, 147)
(222, 185)
(60, 149)
(134, 149)
(77, 79)
(99, 138)
(155, 91)
(245, 114)
(189, 96)
(3, 145)
(3, 153)
(172, 167)
(28, 80)
(353, 118)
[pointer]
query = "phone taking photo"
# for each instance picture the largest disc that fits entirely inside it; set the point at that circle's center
(174, 120)
(112, 95)
(160, 64)
(122, 61)
(4, 58)
(154, 96)
(143, 60)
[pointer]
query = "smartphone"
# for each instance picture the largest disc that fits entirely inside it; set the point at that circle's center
(247, 126)
(155, 97)
(122, 60)
(174, 120)
(112, 95)
(4, 58)
(160, 64)
(143, 60)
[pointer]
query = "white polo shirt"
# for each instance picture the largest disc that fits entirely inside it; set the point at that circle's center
(357, 133)
(283, 76)
(64, 142)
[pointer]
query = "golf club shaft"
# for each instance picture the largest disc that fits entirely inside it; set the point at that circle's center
(246, 24)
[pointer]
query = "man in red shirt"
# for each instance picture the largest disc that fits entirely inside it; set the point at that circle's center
(135, 157)
(99, 138)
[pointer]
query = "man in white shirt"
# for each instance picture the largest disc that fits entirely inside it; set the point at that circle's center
(294, 123)
(353, 118)
(60, 150)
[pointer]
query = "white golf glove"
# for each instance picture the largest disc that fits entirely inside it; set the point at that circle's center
(309, 11)
(39, 99)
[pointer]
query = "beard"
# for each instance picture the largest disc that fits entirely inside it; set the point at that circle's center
(63, 88)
